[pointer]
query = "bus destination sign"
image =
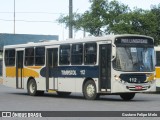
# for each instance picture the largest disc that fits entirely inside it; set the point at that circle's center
(126, 40)
(130, 40)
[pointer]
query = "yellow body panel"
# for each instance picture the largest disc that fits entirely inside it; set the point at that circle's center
(26, 72)
(157, 72)
(10, 71)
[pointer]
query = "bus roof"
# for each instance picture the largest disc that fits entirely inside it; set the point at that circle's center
(70, 41)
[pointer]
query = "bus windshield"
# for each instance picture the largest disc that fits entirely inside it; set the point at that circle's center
(135, 59)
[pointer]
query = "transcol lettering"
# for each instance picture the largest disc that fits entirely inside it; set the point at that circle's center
(68, 72)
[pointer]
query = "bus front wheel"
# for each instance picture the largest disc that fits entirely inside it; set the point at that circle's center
(127, 96)
(89, 90)
(32, 88)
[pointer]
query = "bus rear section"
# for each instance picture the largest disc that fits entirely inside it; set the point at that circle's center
(157, 52)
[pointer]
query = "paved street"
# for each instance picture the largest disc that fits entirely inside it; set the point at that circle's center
(18, 100)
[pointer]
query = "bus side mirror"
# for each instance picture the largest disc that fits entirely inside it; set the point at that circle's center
(113, 52)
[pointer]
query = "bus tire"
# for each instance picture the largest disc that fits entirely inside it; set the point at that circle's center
(32, 88)
(127, 96)
(63, 94)
(89, 90)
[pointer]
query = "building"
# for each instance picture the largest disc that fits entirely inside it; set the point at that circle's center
(11, 39)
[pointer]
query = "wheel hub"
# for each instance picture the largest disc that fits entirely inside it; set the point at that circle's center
(90, 90)
(32, 87)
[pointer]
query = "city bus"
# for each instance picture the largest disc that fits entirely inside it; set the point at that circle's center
(157, 51)
(114, 64)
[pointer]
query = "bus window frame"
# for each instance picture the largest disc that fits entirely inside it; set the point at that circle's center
(35, 56)
(29, 56)
(85, 55)
(79, 54)
(68, 54)
(157, 56)
(8, 65)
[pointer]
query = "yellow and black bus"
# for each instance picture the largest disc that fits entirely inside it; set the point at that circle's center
(114, 64)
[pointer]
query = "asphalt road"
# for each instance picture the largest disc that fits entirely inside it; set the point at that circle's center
(18, 100)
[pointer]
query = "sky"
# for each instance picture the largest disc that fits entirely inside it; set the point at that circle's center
(39, 16)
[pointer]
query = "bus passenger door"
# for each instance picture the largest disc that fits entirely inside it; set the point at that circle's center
(19, 70)
(105, 67)
(51, 63)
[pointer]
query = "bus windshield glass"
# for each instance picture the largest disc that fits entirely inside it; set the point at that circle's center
(138, 59)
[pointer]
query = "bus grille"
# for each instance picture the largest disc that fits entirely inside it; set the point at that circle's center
(138, 88)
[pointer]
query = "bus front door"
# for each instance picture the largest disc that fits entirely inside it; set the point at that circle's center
(105, 67)
(19, 70)
(51, 63)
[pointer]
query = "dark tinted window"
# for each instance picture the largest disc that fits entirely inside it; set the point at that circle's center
(52, 57)
(39, 55)
(64, 55)
(90, 53)
(157, 58)
(10, 57)
(29, 56)
(77, 54)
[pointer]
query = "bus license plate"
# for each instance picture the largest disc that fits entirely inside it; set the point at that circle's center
(138, 87)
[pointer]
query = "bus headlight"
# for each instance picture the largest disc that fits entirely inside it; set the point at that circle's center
(116, 77)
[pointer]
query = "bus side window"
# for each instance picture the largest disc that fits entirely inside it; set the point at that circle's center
(39, 56)
(29, 56)
(157, 58)
(77, 54)
(10, 57)
(64, 55)
(90, 53)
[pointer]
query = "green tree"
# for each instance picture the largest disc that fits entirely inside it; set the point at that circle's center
(136, 22)
(143, 22)
(98, 19)
(92, 20)
(104, 17)
(156, 11)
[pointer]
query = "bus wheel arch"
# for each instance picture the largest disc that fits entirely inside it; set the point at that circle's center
(32, 87)
(89, 89)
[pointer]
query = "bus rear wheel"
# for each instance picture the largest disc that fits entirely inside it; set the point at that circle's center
(89, 90)
(32, 88)
(127, 96)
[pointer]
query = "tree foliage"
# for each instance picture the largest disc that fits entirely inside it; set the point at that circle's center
(104, 17)
(156, 11)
